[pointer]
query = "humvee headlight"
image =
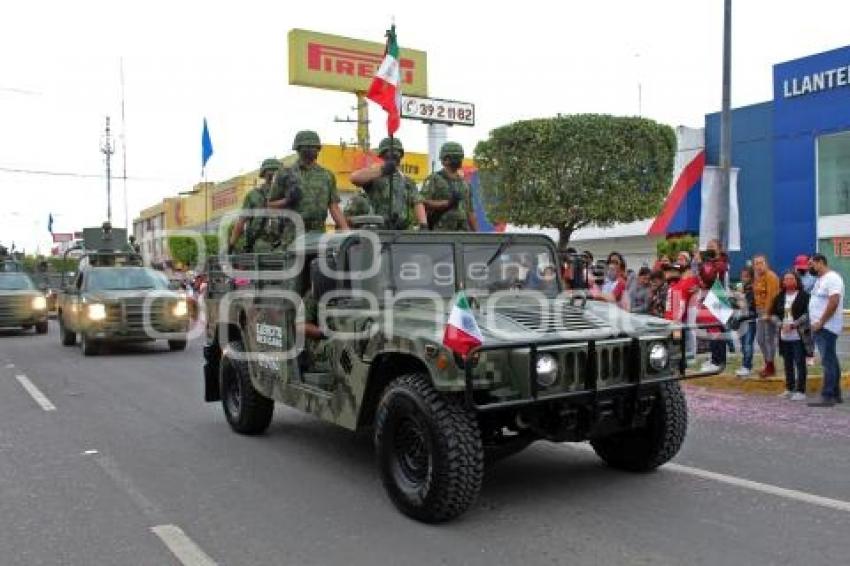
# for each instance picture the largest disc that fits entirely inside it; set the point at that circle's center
(658, 356)
(547, 370)
(39, 303)
(96, 311)
(181, 308)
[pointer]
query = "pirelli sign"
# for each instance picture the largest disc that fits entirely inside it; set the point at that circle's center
(332, 62)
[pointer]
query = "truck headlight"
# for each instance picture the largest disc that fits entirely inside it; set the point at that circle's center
(658, 356)
(96, 311)
(547, 369)
(39, 303)
(181, 308)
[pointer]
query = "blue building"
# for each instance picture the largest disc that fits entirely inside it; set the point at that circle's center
(793, 154)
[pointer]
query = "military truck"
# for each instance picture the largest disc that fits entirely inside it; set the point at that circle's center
(22, 304)
(552, 366)
(114, 298)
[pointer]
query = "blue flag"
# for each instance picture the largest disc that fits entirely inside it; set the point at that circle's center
(206, 145)
(50, 223)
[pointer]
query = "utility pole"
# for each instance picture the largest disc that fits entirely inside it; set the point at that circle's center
(107, 148)
(124, 149)
(726, 126)
(362, 121)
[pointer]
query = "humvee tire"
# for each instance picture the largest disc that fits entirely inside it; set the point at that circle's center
(41, 327)
(89, 348)
(176, 345)
(245, 409)
(67, 337)
(646, 448)
(429, 450)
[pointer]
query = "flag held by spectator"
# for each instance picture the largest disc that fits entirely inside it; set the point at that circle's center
(717, 302)
(206, 145)
(385, 89)
(462, 333)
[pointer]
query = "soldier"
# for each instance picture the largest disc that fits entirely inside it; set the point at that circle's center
(447, 197)
(316, 184)
(261, 233)
(401, 210)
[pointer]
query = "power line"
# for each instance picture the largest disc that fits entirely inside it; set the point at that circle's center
(24, 171)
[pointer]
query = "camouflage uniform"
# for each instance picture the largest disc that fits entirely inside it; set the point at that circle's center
(439, 186)
(315, 356)
(318, 190)
(405, 197)
(257, 229)
(358, 205)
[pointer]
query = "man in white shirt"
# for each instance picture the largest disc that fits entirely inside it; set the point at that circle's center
(827, 322)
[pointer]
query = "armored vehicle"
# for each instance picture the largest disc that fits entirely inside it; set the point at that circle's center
(551, 365)
(22, 304)
(114, 298)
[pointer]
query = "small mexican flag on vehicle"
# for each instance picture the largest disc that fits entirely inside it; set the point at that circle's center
(462, 333)
(717, 302)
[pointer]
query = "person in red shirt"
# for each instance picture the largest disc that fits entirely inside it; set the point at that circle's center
(614, 287)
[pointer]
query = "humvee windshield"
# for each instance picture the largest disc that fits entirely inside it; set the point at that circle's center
(125, 278)
(15, 282)
(499, 267)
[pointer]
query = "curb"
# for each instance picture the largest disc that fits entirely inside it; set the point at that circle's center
(759, 386)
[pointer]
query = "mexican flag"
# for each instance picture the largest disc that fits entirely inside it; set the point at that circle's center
(385, 89)
(717, 302)
(462, 332)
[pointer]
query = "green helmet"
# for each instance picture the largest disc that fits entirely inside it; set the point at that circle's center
(306, 138)
(270, 164)
(451, 148)
(388, 143)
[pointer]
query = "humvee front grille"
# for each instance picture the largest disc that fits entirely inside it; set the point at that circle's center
(14, 307)
(546, 317)
(129, 315)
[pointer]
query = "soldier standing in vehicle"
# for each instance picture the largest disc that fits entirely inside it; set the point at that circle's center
(402, 209)
(261, 233)
(316, 184)
(447, 197)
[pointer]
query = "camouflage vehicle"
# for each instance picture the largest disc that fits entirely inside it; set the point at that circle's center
(22, 304)
(114, 298)
(552, 365)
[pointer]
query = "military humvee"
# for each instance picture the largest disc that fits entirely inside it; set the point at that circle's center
(114, 298)
(22, 304)
(552, 365)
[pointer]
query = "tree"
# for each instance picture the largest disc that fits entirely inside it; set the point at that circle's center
(672, 246)
(184, 249)
(571, 171)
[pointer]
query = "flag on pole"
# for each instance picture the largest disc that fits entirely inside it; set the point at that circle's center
(50, 222)
(462, 332)
(717, 302)
(385, 89)
(206, 145)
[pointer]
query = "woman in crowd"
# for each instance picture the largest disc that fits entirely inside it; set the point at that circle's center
(790, 312)
(614, 286)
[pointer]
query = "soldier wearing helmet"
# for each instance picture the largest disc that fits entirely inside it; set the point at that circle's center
(402, 208)
(313, 185)
(447, 197)
(261, 232)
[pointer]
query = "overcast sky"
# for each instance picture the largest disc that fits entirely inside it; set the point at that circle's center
(59, 79)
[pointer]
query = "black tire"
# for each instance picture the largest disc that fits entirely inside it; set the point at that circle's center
(88, 347)
(26, 327)
(429, 450)
(245, 409)
(41, 327)
(176, 345)
(67, 337)
(646, 448)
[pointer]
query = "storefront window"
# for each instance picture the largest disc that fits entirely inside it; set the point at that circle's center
(834, 174)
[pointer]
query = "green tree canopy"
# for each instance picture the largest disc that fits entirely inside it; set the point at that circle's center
(184, 249)
(571, 171)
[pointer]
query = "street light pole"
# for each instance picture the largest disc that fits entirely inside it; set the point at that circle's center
(726, 126)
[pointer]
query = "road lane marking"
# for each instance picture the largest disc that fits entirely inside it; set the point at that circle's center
(786, 493)
(147, 507)
(35, 393)
(10, 366)
(181, 546)
(775, 490)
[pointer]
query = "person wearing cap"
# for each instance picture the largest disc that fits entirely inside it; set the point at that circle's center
(447, 196)
(261, 234)
(801, 266)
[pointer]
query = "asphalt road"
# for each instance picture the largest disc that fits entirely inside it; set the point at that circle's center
(128, 465)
